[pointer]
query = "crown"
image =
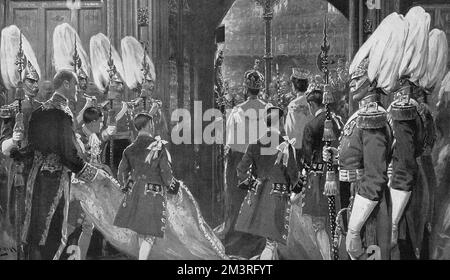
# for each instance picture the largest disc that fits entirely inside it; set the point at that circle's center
(31, 72)
(361, 70)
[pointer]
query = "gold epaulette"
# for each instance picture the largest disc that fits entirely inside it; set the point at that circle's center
(9, 111)
(371, 116)
(401, 111)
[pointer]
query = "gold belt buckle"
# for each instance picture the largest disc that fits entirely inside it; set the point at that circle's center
(280, 189)
(153, 189)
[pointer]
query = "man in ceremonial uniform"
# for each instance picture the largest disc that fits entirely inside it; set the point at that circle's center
(270, 160)
(140, 77)
(298, 113)
(407, 124)
(315, 201)
(364, 155)
(109, 76)
(365, 149)
(55, 154)
(14, 132)
(242, 128)
(418, 188)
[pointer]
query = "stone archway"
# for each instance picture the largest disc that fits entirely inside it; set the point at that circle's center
(297, 34)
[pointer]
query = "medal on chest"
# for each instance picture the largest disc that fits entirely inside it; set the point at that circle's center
(348, 129)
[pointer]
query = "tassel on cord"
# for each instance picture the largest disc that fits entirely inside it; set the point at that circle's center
(331, 188)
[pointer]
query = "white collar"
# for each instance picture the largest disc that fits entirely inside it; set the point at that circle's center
(142, 133)
(86, 131)
(60, 95)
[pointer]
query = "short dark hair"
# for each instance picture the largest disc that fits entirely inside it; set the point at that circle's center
(92, 114)
(315, 96)
(269, 115)
(300, 84)
(141, 121)
(61, 76)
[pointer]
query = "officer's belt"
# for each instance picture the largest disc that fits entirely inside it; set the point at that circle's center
(52, 163)
(280, 189)
(154, 189)
(351, 175)
(317, 168)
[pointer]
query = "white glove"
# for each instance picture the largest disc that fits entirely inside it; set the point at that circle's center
(111, 130)
(17, 136)
(328, 153)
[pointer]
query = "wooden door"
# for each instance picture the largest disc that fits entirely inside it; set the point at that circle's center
(38, 19)
(440, 17)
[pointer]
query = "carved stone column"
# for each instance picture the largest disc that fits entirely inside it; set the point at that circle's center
(268, 10)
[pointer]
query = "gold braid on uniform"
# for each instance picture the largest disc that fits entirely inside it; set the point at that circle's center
(371, 116)
(403, 111)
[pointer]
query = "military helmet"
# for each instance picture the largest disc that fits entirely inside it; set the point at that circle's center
(13, 43)
(361, 70)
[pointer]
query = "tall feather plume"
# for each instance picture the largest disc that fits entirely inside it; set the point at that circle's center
(64, 38)
(415, 56)
(362, 53)
(386, 54)
(437, 60)
(444, 90)
(133, 57)
(9, 48)
(384, 49)
(99, 48)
